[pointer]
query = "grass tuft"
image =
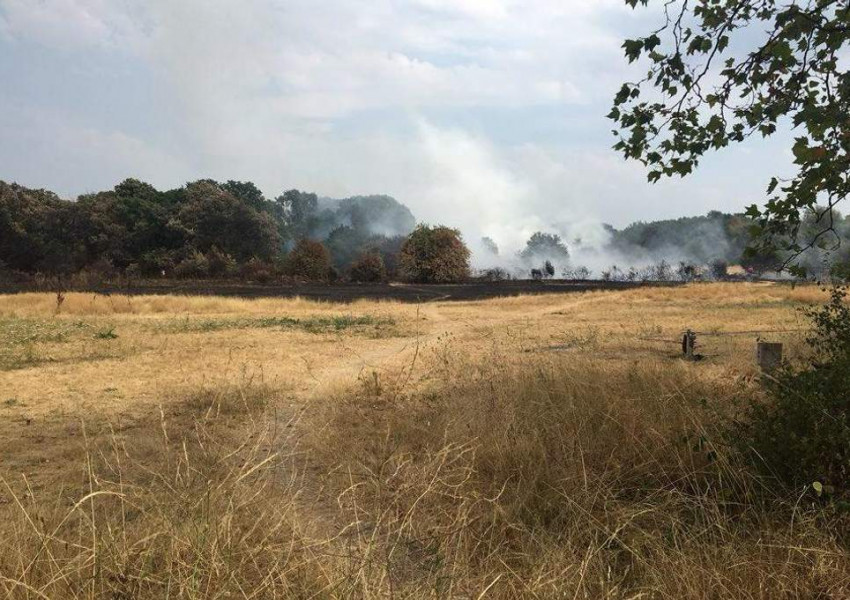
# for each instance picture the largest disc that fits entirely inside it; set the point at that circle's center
(317, 324)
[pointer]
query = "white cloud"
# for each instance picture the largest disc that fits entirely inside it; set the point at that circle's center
(68, 24)
(491, 9)
(351, 96)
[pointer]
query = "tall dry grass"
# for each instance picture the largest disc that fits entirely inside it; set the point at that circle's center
(528, 477)
(545, 478)
(595, 471)
(196, 503)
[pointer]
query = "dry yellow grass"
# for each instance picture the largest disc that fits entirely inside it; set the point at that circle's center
(516, 447)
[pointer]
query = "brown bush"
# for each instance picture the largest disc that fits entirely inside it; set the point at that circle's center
(434, 255)
(309, 260)
(369, 267)
(257, 270)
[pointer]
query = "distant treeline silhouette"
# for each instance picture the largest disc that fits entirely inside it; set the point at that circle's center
(209, 229)
(204, 229)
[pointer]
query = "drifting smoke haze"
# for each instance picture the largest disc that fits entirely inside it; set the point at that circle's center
(373, 215)
(487, 116)
(465, 183)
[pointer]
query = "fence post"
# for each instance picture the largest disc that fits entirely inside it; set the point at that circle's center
(769, 356)
(689, 342)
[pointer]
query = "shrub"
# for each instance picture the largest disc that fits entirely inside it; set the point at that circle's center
(132, 271)
(194, 265)
(390, 251)
(6, 274)
(434, 255)
(257, 270)
(369, 267)
(801, 433)
(221, 263)
(687, 272)
(661, 271)
(494, 275)
(719, 269)
(309, 260)
(579, 273)
(157, 263)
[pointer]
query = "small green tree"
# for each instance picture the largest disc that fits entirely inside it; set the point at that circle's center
(490, 245)
(309, 260)
(434, 255)
(545, 245)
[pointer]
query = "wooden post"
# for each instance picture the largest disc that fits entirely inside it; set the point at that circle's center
(769, 356)
(689, 342)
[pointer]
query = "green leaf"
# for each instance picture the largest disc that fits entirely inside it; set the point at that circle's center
(773, 183)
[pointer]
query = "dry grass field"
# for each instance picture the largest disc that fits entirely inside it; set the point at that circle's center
(551, 446)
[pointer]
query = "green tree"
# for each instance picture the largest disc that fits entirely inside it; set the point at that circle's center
(720, 71)
(376, 215)
(345, 244)
(296, 213)
(247, 192)
(213, 217)
(390, 250)
(546, 246)
(434, 255)
(129, 222)
(40, 232)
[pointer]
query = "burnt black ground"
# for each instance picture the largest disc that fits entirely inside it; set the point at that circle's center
(349, 292)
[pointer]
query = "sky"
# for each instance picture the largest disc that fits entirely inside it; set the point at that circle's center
(487, 115)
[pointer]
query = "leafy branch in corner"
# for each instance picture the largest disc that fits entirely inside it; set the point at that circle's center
(721, 71)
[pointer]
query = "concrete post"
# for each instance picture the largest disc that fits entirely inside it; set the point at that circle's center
(769, 356)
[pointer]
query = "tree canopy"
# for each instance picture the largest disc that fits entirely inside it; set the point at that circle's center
(435, 255)
(545, 246)
(721, 71)
(204, 228)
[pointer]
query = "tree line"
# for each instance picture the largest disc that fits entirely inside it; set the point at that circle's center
(209, 229)
(212, 229)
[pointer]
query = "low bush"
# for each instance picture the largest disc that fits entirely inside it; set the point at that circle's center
(800, 433)
(368, 268)
(157, 263)
(578, 273)
(309, 260)
(257, 270)
(493, 275)
(194, 266)
(221, 263)
(719, 269)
